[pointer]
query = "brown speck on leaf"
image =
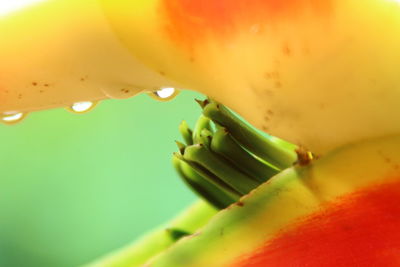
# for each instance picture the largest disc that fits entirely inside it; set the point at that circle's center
(162, 73)
(268, 93)
(347, 228)
(385, 157)
(270, 112)
(275, 75)
(265, 128)
(41, 91)
(286, 50)
(191, 59)
(34, 83)
(239, 203)
(19, 96)
(267, 75)
(46, 84)
(278, 84)
(387, 160)
(272, 75)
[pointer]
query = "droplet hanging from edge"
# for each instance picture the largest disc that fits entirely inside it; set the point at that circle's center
(82, 107)
(12, 117)
(164, 94)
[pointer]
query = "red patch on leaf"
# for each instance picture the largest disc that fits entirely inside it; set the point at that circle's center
(360, 230)
(190, 21)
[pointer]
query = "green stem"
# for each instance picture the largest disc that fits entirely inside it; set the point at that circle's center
(221, 168)
(223, 144)
(206, 137)
(186, 132)
(280, 154)
(210, 177)
(213, 194)
(202, 123)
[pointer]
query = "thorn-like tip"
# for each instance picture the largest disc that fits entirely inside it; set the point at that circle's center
(181, 147)
(202, 103)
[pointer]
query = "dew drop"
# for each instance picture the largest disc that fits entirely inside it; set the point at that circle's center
(12, 117)
(82, 107)
(164, 94)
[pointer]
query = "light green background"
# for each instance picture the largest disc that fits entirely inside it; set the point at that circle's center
(73, 187)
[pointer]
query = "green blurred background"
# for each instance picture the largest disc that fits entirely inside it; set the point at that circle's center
(74, 187)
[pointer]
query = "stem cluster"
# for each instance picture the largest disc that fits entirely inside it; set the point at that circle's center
(224, 158)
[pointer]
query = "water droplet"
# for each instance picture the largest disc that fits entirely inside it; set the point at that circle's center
(82, 107)
(12, 117)
(164, 94)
